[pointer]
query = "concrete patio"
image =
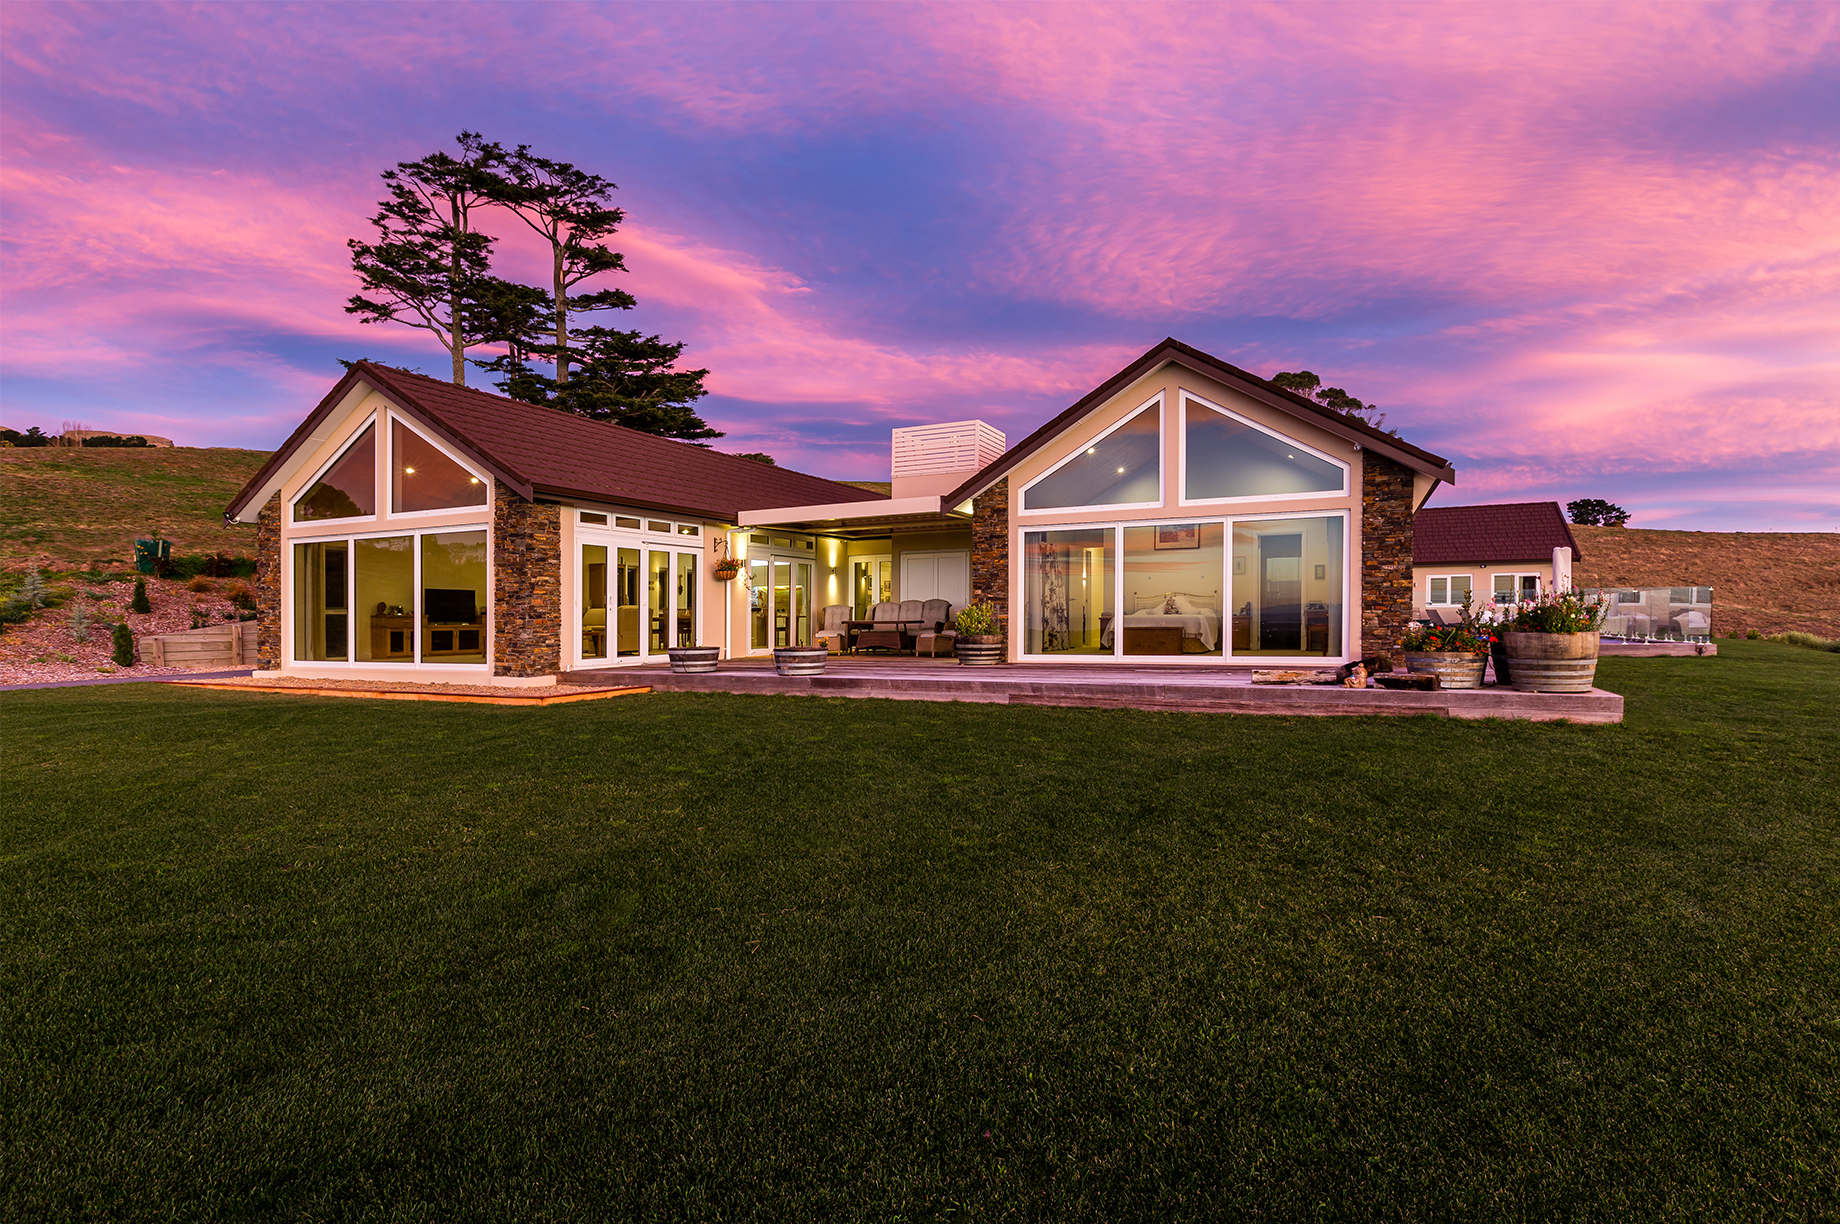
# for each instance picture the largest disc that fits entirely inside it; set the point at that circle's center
(1214, 690)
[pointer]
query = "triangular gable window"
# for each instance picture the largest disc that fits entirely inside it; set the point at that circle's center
(1225, 457)
(1121, 468)
(423, 478)
(348, 489)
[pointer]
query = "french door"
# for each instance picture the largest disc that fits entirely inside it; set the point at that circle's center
(779, 602)
(636, 600)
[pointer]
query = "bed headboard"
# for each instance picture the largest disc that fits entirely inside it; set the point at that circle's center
(1142, 600)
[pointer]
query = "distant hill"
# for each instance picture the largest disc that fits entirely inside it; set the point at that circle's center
(63, 508)
(1768, 581)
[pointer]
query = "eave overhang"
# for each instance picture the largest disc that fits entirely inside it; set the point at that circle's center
(864, 519)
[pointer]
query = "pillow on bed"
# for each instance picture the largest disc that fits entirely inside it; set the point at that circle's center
(1169, 607)
(1189, 607)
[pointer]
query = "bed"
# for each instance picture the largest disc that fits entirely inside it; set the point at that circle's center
(1169, 622)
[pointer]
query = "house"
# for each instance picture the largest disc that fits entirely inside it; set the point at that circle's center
(1185, 509)
(1507, 553)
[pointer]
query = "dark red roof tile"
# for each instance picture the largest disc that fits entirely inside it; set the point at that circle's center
(1518, 531)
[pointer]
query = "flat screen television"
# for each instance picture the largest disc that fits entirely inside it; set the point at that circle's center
(448, 607)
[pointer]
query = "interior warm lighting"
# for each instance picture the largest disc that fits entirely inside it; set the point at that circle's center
(409, 471)
(472, 480)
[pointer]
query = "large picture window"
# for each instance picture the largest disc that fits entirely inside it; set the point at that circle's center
(413, 598)
(347, 489)
(1287, 586)
(1172, 590)
(1225, 457)
(1068, 583)
(423, 478)
(1122, 468)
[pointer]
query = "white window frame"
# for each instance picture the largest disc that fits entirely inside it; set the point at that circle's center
(645, 540)
(314, 525)
(350, 540)
(1160, 402)
(1449, 602)
(1019, 587)
(1539, 583)
(466, 465)
(1182, 497)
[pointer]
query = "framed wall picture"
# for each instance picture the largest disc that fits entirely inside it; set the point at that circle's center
(1178, 535)
(1239, 565)
(1319, 571)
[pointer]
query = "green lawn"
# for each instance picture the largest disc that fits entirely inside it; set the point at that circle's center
(780, 958)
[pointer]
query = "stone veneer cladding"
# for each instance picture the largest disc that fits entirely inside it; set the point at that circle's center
(527, 585)
(268, 585)
(1386, 553)
(990, 552)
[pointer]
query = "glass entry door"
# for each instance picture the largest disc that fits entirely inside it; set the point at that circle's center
(636, 602)
(779, 602)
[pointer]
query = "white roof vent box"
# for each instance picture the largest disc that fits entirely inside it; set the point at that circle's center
(932, 459)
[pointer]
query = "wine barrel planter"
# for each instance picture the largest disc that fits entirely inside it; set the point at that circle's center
(1454, 669)
(1551, 662)
(688, 660)
(979, 649)
(799, 660)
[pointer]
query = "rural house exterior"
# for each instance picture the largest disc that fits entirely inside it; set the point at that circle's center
(1185, 509)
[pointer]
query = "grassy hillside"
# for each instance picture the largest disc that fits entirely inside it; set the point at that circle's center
(63, 508)
(1770, 581)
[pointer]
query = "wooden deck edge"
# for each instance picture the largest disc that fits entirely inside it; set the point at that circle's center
(399, 695)
(1297, 708)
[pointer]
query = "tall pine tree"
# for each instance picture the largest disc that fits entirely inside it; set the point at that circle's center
(429, 265)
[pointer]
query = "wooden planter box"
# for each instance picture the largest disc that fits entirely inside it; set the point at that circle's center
(1551, 662)
(979, 649)
(799, 660)
(1454, 669)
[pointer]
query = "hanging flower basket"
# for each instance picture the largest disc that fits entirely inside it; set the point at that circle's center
(725, 571)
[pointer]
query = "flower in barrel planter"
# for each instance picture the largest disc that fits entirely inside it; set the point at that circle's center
(978, 644)
(1550, 643)
(1456, 654)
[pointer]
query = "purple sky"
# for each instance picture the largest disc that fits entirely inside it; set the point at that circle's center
(1582, 251)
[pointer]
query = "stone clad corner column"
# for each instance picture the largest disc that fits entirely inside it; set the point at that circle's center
(268, 585)
(1386, 553)
(990, 552)
(526, 585)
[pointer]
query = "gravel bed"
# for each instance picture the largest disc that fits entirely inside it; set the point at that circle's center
(45, 649)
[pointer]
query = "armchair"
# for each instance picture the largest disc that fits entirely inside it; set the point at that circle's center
(936, 635)
(835, 635)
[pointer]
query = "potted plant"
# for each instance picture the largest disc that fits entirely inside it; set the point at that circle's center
(978, 643)
(689, 660)
(799, 660)
(1551, 643)
(1456, 654)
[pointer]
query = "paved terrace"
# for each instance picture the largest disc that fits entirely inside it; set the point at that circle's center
(1185, 689)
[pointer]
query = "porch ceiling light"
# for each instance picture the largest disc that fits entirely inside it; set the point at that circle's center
(408, 471)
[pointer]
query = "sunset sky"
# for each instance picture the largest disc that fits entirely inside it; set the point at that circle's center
(1582, 251)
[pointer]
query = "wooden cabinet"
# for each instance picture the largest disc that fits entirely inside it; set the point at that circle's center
(392, 637)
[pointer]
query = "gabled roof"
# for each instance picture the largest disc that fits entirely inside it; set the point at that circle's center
(544, 452)
(1173, 350)
(1517, 531)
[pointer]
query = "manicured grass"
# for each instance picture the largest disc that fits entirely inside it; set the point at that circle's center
(780, 958)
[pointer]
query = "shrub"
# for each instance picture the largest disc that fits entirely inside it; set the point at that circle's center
(124, 645)
(1753, 635)
(201, 585)
(1809, 641)
(976, 619)
(79, 623)
(139, 602)
(31, 437)
(211, 565)
(201, 616)
(116, 440)
(33, 592)
(239, 594)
